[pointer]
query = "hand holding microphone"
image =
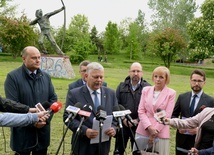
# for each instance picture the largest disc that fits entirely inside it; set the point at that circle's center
(160, 116)
(127, 116)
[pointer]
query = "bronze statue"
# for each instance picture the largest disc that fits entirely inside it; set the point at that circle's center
(44, 23)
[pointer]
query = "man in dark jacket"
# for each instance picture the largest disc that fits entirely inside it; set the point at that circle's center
(128, 95)
(29, 85)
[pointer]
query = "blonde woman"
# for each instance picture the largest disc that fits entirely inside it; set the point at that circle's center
(155, 98)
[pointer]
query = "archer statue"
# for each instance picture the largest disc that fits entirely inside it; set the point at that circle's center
(44, 23)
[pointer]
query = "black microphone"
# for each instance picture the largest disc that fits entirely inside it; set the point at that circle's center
(101, 114)
(161, 114)
(127, 116)
(73, 110)
(117, 114)
(85, 113)
(46, 105)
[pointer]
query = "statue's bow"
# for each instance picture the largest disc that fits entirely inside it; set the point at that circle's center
(64, 25)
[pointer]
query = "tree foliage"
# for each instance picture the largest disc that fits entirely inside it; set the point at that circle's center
(112, 42)
(166, 44)
(16, 33)
(77, 39)
(172, 13)
(201, 31)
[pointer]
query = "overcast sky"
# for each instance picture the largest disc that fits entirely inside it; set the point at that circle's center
(98, 12)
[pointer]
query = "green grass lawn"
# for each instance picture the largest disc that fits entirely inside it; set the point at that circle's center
(115, 71)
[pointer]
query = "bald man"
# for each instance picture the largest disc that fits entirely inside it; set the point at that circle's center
(29, 85)
(128, 94)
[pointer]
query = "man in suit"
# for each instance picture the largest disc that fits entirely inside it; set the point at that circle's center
(187, 106)
(82, 81)
(85, 95)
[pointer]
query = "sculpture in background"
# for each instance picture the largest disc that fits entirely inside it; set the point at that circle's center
(44, 23)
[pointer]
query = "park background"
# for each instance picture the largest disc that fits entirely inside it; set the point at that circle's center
(115, 72)
(175, 38)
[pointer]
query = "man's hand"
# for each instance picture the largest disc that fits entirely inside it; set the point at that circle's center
(110, 132)
(90, 133)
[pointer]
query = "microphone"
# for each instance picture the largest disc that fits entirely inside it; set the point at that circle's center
(85, 113)
(160, 115)
(55, 107)
(73, 110)
(42, 107)
(127, 116)
(101, 114)
(118, 114)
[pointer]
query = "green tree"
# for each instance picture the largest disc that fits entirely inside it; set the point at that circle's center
(95, 40)
(201, 31)
(172, 13)
(77, 39)
(16, 33)
(134, 46)
(112, 39)
(166, 44)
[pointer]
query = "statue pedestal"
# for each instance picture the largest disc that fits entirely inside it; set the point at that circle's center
(57, 66)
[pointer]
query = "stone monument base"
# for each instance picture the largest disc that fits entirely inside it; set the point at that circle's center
(57, 66)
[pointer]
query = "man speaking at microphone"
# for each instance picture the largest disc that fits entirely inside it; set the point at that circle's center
(29, 85)
(92, 94)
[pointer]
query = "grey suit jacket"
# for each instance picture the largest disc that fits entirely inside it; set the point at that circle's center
(82, 95)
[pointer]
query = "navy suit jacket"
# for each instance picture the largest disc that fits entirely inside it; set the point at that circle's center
(82, 95)
(181, 109)
(182, 105)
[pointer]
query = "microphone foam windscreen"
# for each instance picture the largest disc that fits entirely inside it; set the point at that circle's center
(100, 107)
(56, 106)
(46, 105)
(78, 105)
(121, 107)
(159, 110)
(116, 108)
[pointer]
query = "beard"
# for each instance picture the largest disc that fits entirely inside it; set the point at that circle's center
(196, 88)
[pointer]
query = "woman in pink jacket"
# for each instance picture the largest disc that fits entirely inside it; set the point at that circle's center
(153, 99)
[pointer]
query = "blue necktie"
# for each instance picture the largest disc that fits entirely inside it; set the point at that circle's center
(96, 100)
(192, 105)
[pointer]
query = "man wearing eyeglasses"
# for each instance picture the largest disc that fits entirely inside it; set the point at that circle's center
(128, 95)
(82, 81)
(189, 104)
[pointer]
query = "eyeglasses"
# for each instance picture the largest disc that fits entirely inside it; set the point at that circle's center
(133, 71)
(197, 81)
(83, 71)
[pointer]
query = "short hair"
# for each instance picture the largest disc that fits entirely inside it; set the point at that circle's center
(84, 63)
(94, 66)
(162, 69)
(199, 72)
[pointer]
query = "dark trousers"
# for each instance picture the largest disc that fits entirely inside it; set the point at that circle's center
(184, 141)
(124, 138)
(39, 152)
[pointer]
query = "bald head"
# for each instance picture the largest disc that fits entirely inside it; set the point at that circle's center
(135, 72)
(31, 58)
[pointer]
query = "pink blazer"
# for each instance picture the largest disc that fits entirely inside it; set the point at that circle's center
(146, 110)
